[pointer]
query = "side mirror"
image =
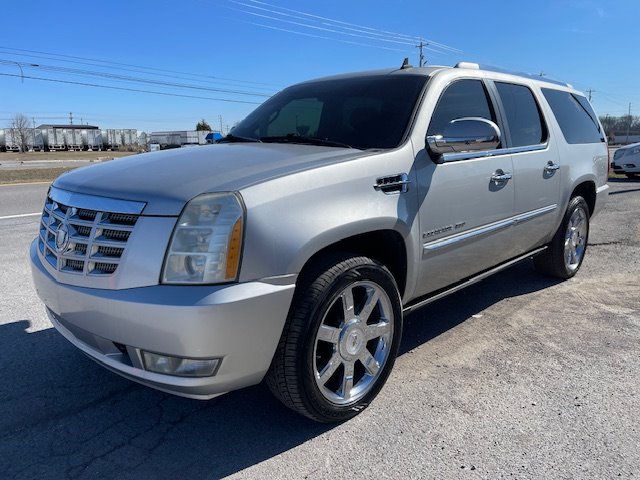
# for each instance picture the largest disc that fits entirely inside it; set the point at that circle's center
(469, 134)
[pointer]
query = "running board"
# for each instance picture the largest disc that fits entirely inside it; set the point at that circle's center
(470, 281)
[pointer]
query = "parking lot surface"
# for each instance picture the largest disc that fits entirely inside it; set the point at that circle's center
(519, 376)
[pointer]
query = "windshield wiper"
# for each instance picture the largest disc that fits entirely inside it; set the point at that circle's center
(301, 139)
(231, 138)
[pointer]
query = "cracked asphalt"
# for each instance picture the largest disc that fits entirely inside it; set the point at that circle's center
(519, 376)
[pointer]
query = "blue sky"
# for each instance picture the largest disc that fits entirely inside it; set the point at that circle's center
(245, 50)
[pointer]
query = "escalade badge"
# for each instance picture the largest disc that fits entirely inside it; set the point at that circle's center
(62, 237)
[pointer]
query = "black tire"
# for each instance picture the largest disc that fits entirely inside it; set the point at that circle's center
(302, 355)
(557, 260)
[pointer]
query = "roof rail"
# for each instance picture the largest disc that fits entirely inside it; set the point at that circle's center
(490, 68)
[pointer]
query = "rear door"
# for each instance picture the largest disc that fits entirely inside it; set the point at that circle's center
(536, 166)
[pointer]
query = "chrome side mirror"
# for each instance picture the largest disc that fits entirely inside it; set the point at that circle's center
(469, 134)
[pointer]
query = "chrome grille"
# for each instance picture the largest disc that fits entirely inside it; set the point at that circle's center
(90, 242)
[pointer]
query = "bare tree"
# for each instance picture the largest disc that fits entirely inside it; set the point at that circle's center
(20, 130)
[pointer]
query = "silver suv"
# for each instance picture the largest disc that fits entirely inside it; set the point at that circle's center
(291, 250)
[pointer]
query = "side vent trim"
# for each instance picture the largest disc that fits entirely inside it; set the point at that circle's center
(391, 184)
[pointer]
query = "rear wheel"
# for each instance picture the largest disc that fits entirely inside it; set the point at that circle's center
(340, 340)
(565, 253)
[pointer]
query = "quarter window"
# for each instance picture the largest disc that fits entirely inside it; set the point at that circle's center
(523, 116)
(575, 116)
(464, 98)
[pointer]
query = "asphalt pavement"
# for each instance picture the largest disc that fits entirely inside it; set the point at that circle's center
(519, 376)
(22, 199)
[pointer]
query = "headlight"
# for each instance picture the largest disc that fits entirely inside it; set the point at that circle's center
(207, 241)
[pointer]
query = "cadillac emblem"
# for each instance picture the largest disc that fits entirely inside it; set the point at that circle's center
(62, 238)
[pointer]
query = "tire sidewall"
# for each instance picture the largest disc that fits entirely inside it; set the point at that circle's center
(311, 394)
(574, 204)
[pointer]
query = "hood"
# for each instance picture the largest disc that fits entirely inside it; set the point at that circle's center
(630, 146)
(166, 180)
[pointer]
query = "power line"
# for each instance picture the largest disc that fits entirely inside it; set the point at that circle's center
(112, 87)
(271, 7)
(325, 24)
(271, 27)
(369, 35)
(105, 63)
(112, 76)
(330, 30)
(75, 62)
(344, 25)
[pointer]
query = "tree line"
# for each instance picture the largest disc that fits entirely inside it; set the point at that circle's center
(620, 125)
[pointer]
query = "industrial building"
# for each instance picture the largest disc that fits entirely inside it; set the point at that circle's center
(181, 138)
(49, 137)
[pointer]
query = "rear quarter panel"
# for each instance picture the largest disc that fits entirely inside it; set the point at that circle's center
(579, 163)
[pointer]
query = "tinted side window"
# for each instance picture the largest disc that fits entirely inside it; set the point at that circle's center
(464, 98)
(523, 116)
(575, 116)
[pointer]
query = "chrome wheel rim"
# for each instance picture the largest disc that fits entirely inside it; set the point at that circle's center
(353, 343)
(575, 239)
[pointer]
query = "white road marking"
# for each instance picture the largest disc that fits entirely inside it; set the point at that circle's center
(23, 184)
(7, 217)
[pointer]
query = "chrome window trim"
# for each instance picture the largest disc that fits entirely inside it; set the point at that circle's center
(92, 202)
(455, 157)
(454, 240)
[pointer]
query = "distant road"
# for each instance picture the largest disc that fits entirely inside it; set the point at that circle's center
(22, 199)
(34, 164)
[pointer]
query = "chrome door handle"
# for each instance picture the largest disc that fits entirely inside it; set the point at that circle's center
(551, 167)
(500, 177)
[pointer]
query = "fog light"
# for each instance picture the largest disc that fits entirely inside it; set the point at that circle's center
(182, 367)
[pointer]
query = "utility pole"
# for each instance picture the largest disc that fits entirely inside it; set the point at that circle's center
(220, 119)
(70, 118)
(629, 124)
(590, 91)
(422, 45)
(34, 134)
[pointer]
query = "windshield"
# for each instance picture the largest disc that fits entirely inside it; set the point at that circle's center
(364, 112)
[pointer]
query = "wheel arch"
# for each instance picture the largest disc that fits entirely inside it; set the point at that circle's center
(587, 190)
(385, 246)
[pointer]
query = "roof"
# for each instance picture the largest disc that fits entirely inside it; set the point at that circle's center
(425, 71)
(72, 127)
(430, 70)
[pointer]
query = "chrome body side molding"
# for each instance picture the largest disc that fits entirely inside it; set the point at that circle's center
(454, 240)
(470, 281)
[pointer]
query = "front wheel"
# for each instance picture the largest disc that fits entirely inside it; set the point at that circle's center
(565, 253)
(340, 340)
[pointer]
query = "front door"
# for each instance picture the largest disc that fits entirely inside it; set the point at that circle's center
(467, 202)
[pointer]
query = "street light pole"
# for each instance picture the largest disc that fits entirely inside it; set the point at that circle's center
(21, 71)
(20, 67)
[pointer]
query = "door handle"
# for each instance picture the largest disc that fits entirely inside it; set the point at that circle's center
(551, 167)
(500, 176)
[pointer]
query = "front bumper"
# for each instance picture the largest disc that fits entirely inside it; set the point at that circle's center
(239, 323)
(628, 167)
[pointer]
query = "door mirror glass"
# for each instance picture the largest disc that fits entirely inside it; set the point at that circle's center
(469, 134)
